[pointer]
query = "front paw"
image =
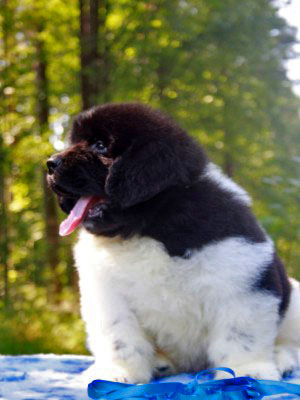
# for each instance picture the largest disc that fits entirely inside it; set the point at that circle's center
(256, 370)
(287, 358)
(117, 373)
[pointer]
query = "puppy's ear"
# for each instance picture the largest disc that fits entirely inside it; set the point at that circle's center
(145, 170)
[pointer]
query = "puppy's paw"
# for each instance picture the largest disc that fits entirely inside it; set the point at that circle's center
(116, 373)
(287, 358)
(257, 370)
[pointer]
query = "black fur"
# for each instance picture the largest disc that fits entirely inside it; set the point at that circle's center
(151, 181)
(274, 280)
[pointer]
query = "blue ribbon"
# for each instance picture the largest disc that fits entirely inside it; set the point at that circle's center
(243, 388)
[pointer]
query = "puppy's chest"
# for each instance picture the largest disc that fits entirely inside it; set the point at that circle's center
(155, 285)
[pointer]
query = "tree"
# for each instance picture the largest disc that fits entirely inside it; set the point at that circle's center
(43, 107)
(94, 52)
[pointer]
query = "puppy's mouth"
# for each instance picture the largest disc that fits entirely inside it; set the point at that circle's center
(82, 207)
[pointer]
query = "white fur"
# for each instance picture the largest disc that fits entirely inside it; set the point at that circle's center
(216, 175)
(137, 300)
(288, 340)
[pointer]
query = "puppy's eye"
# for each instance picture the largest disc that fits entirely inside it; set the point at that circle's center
(100, 147)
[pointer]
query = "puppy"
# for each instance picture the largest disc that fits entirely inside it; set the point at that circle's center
(176, 274)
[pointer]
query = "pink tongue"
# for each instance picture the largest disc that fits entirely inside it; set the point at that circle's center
(76, 216)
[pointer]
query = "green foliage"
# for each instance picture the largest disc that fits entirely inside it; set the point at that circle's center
(40, 326)
(217, 67)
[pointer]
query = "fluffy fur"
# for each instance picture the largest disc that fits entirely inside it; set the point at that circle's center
(175, 272)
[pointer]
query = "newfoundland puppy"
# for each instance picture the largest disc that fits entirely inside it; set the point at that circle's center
(176, 274)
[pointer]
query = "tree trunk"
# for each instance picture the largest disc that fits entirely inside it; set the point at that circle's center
(228, 139)
(4, 233)
(228, 164)
(161, 73)
(4, 236)
(51, 229)
(51, 219)
(94, 73)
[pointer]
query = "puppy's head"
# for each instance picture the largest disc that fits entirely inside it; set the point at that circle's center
(121, 154)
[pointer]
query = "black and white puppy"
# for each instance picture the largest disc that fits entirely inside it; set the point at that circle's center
(176, 274)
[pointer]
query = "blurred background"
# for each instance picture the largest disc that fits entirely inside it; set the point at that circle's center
(225, 70)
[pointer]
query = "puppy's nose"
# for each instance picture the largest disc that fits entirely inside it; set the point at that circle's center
(53, 163)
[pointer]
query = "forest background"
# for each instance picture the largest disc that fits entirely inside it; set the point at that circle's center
(217, 67)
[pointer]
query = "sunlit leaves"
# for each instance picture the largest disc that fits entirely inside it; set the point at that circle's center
(215, 66)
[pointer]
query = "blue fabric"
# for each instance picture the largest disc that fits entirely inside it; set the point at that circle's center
(242, 388)
(55, 377)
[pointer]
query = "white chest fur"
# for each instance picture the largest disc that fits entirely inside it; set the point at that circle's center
(178, 302)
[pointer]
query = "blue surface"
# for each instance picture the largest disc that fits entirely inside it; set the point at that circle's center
(59, 377)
